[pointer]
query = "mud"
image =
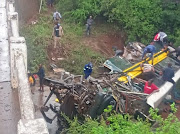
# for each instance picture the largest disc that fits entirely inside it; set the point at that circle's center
(9, 109)
(166, 110)
(39, 98)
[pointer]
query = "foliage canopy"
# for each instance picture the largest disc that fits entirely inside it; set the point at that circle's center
(119, 124)
(141, 19)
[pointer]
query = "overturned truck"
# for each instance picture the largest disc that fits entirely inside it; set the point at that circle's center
(117, 86)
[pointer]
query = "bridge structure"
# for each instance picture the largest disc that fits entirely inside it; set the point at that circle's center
(17, 115)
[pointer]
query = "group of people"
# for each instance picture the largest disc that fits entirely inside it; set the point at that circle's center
(57, 34)
(41, 75)
(57, 29)
(148, 76)
(161, 38)
(148, 70)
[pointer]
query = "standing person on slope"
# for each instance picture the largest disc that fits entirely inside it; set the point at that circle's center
(88, 25)
(57, 16)
(57, 33)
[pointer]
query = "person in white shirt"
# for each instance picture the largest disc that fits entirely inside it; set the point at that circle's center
(161, 36)
(148, 71)
(57, 16)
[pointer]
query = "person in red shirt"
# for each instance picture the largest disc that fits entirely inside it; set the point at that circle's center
(157, 37)
(149, 86)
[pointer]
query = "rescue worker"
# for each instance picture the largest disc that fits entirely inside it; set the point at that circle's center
(161, 36)
(57, 33)
(88, 25)
(56, 16)
(88, 69)
(50, 3)
(41, 74)
(177, 51)
(117, 51)
(149, 86)
(148, 71)
(168, 74)
(31, 80)
(149, 49)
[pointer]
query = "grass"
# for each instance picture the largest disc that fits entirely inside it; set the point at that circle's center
(80, 54)
(38, 36)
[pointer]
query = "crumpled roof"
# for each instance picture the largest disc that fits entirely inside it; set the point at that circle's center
(132, 52)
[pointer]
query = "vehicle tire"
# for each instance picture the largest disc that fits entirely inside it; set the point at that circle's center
(98, 100)
(106, 102)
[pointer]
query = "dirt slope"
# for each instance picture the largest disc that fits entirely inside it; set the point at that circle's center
(103, 43)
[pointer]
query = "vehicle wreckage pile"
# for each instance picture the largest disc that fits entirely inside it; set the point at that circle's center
(82, 98)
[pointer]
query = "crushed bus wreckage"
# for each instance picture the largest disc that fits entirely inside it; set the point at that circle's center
(119, 86)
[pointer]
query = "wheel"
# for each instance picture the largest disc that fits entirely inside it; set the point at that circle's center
(109, 100)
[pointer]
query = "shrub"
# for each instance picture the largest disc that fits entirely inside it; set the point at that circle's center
(119, 124)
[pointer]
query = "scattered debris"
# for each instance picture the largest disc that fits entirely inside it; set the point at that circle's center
(89, 97)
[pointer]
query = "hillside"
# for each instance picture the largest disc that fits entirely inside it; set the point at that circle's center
(75, 49)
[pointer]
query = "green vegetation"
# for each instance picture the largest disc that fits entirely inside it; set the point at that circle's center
(141, 19)
(37, 37)
(119, 124)
(80, 56)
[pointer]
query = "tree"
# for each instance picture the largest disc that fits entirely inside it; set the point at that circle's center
(140, 18)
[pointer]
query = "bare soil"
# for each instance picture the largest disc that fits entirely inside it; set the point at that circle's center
(166, 110)
(103, 43)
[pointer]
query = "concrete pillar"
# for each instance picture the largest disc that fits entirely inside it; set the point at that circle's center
(17, 45)
(37, 126)
(156, 98)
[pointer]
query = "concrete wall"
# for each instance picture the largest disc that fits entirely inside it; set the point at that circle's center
(26, 9)
(19, 81)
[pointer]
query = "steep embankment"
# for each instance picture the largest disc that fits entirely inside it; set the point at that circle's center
(26, 9)
(75, 48)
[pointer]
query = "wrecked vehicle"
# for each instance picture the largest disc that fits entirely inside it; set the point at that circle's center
(117, 87)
